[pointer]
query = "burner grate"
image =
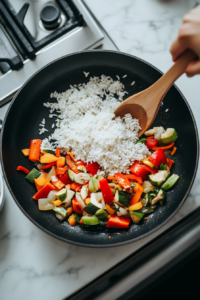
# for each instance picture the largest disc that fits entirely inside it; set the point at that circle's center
(69, 15)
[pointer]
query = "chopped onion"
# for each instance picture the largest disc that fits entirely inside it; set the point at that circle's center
(103, 203)
(84, 176)
(39, 166)
(94, 201)
(80, 200)
(51, 197)
(122, 212)
(147, 186)
(84, 192)
(53, 178)
(52, 172)
(111, 185)
(68, 203)
(98, 196)
(67, 186)
(43, 204)
(61, 218)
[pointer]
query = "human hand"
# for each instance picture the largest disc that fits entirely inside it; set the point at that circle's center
(189, 37)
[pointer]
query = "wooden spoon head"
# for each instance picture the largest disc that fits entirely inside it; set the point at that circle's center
(136, 111)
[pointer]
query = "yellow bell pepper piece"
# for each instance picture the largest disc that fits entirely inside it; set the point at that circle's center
(136, 206)
(60, 162)
(110, 210)
(57, 202)
(148, 163)
(48, 158)
(40, 181)
(87, 201)
(25, 152)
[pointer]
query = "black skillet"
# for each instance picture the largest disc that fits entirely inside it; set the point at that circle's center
(26, 112)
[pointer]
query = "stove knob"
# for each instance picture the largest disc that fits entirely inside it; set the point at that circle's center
(50, 17)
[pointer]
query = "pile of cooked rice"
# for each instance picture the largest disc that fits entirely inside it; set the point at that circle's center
(85, 125)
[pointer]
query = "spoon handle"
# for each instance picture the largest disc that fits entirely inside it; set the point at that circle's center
(165, 82)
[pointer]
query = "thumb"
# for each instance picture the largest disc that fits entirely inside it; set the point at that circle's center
(193, 68)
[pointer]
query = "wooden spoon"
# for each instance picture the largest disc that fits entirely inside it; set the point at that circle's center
(145, 105)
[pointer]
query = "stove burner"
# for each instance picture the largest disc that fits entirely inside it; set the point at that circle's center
(55, 20)
(50, 17)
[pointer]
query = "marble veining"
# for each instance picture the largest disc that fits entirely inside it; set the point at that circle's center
(34, 265)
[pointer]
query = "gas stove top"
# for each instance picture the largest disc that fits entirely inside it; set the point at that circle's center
(34, 34)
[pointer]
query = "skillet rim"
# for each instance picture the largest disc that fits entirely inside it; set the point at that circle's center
(99, 245)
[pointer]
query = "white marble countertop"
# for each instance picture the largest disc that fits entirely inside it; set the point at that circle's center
(34, 265)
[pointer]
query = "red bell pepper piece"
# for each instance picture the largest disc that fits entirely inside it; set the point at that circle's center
(48, 165)
(150, 137)
(65, 179)
(106, 191)
(164, 147)
(170, 162)
(158, 157)
(138, 189)
(123, 180)
(75, 186)
(151, 143)
(76, 206)
(61, 171)
(152, 171)
(80, 163)
(34, 151)
(139, 170)
(93, 168)
(71, 165)
(44, 191)
(118, 222)
(58, 152)
(133, 177)
(81, 222)
(20, 168)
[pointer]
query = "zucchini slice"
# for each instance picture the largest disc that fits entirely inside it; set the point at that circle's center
(75, 177)
(93, 185)
(82, 169)
(90, 221)
(101, 214)
(77, 217)
(168, 137)
(61, 211)
(123, 198)
(91, 209)
(170, 182)
(33, 175)
(158, 178)
(62, 194)
(136, 216)
(68, 199)
(48, 151)
(71, 174)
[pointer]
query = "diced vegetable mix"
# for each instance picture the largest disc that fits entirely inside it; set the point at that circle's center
(73, 190)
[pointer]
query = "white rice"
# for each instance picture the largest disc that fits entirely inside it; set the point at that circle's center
(87, 127)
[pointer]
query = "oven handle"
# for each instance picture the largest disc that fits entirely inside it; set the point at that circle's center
(147, 265)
